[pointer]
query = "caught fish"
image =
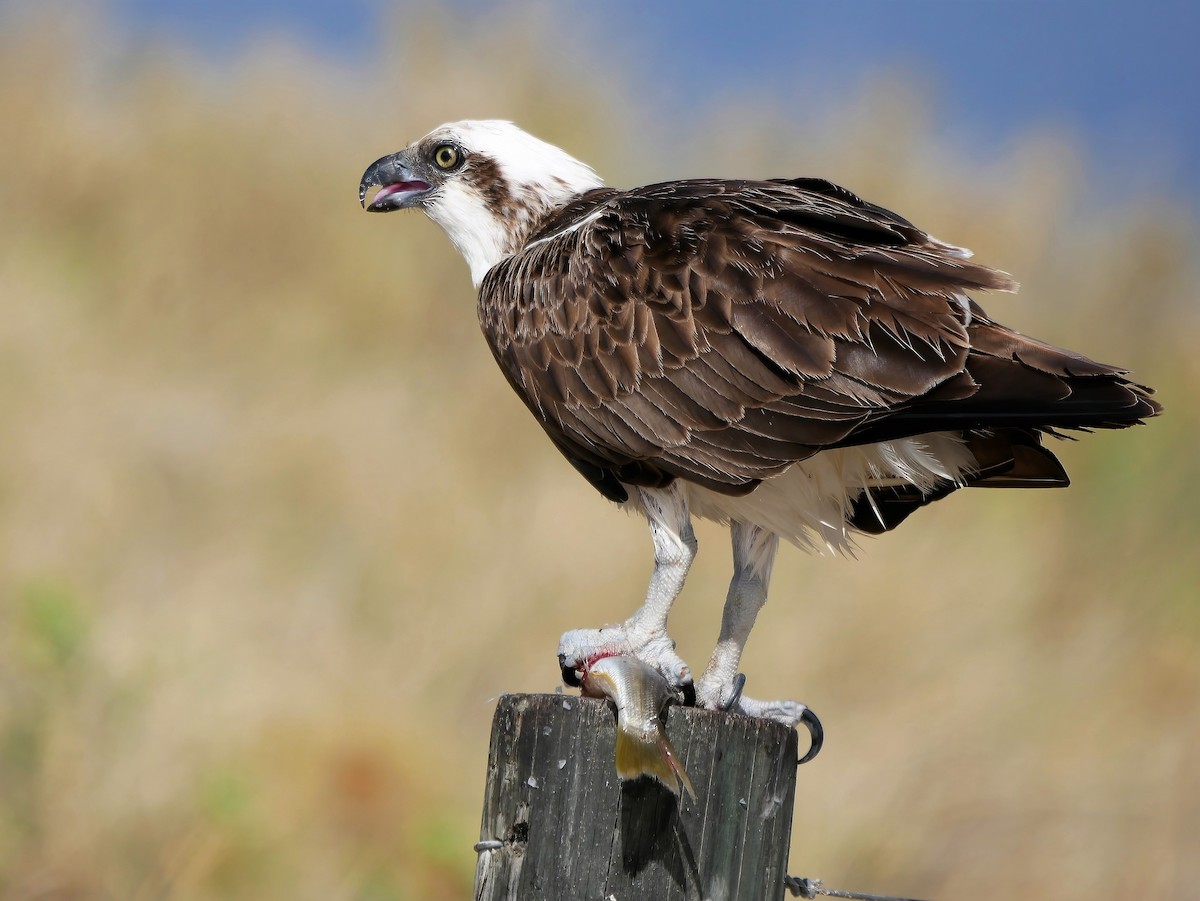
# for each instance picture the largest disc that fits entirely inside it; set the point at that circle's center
(640, 693)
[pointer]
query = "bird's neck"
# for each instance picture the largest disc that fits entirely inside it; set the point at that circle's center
(485, 232)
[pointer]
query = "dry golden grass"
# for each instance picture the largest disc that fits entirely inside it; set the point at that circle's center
(274, 533)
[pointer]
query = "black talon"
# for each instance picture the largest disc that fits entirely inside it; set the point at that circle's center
(688, 690)
(569, 674)
(739, 685)
(815, 731)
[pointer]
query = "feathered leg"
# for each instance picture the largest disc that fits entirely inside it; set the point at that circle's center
(644, 634)
(719, 687)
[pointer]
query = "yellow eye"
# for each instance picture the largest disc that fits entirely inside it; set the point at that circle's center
(446, 156)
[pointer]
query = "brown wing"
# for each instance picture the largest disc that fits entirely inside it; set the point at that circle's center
(720, 331)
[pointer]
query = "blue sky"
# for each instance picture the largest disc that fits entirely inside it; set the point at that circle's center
(1122, 76)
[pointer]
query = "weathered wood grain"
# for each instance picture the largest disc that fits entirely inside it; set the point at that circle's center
(558, 824)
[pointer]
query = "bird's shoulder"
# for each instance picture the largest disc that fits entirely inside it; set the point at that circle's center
(709, 252)
(798, 207)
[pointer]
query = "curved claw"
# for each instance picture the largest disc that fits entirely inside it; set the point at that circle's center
(739, 685)
(815, 731)
(569, 674)
(688, 690)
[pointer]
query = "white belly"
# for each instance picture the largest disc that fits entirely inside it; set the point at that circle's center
(808, 504)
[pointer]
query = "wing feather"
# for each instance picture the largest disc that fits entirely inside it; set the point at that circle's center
(719, 331)
(784, 340)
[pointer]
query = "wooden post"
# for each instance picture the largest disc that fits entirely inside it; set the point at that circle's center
(558, 824)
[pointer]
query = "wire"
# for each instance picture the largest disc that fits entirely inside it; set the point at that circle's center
(803, 887)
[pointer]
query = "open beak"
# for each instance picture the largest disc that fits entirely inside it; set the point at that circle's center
(395, 185)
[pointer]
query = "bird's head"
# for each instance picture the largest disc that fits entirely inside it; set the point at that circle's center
(486, 183)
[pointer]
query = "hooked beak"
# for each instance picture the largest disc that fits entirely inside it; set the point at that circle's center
(398, 187)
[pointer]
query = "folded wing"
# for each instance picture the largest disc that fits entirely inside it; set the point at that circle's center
(721, 331)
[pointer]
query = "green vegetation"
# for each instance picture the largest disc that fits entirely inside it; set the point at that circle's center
(274, 532)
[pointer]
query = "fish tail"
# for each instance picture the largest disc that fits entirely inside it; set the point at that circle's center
(650, 753)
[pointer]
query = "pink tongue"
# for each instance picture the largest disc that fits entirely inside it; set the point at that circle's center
(400, 187)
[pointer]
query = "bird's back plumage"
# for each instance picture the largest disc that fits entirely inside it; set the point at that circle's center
(720, 332)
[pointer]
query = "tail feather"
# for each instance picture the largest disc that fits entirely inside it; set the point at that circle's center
(1013, 391)
(1027, 382)
(1005, 458)
(1012, 381)
(650, 753)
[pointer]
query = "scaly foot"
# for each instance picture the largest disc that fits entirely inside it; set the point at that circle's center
(715, 695)
(579, 648)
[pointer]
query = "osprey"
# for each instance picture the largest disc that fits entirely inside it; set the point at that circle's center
(780, 355)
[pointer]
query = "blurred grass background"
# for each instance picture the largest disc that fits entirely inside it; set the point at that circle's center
(274, 533)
